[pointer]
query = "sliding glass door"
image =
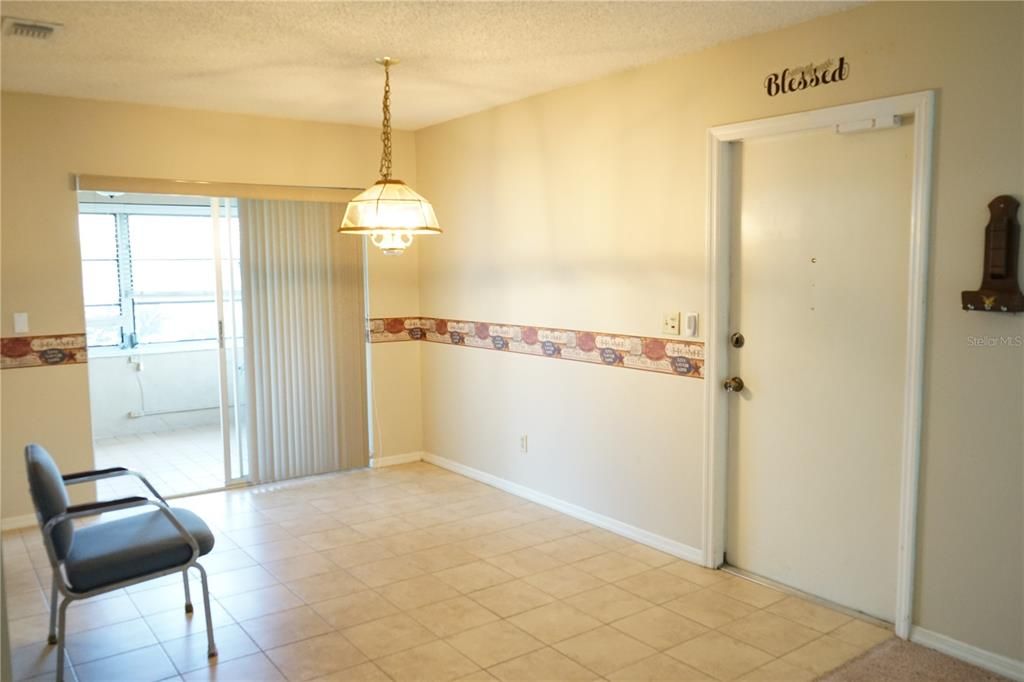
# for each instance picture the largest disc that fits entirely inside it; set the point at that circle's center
(163, 324)
(224, 218)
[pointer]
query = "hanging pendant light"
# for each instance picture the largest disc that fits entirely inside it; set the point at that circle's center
(389, 211)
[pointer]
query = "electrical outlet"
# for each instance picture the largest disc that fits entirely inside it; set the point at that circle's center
(524, 444)
(670, 324)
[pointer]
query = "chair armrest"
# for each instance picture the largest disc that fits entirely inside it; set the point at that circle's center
(92, 508)
(86, 476)
(83, 476)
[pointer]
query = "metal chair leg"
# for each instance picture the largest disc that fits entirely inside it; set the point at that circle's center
(188, 596)
(60, 638)
(52, 635)
(211, 646)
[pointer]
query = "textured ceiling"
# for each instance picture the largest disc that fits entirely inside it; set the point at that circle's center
(314, 60)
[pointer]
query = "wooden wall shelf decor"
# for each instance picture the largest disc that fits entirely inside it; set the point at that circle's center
(1000, 287)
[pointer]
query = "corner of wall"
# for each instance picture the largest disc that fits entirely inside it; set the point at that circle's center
(395, 368)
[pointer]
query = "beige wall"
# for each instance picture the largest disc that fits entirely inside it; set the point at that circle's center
(394, 292)
(47, 139)
(585, 208)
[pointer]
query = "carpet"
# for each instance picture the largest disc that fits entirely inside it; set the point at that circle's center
(896, 660)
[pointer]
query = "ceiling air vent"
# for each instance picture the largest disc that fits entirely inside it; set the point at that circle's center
(29, 28)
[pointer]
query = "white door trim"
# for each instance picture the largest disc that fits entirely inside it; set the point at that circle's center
(921, 105)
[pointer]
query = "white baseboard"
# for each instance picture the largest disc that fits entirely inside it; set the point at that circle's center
(18, 522)
(659, 542)
(392, 460)
(1003, 665)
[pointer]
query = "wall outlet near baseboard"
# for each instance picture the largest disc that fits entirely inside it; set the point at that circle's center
(524, 444)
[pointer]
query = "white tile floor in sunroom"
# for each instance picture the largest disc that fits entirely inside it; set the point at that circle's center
(177, 462)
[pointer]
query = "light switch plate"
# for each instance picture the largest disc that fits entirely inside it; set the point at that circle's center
(690, 327)
(670, 324)
(21, 323)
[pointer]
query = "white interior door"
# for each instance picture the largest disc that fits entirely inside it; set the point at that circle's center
(820, 245)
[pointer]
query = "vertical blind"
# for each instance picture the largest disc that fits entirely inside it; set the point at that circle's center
(302, 293)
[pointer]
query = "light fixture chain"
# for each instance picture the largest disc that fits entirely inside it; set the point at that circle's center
(385, 136)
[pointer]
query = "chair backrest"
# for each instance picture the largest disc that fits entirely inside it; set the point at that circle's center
(49, 495)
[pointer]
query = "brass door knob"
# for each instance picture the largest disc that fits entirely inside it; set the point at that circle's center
(733, 384)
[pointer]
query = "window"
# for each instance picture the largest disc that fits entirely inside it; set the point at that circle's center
(172, 278)
(100, 280)
(148, 274)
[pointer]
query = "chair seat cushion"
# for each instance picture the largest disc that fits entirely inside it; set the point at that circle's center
(113, 551)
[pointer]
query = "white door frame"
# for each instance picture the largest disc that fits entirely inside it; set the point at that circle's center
(921, 105)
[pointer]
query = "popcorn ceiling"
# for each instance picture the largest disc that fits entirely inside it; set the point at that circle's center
(314, 60)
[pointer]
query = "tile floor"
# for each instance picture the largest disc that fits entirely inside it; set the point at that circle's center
(176, 462)
(416, 573)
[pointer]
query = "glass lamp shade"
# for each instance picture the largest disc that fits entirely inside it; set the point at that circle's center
(391, 213)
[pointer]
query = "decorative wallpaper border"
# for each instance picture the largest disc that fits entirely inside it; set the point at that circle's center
(42, 351)
(667, 356)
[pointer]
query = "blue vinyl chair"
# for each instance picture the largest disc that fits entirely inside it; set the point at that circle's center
(109, 555)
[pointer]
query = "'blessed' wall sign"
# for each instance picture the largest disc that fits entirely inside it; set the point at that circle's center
(808, 76)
